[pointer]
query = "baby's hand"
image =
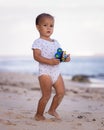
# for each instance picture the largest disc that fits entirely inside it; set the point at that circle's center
(68, 58)
(55, 61)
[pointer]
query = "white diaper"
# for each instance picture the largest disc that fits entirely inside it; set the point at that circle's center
(52, 71)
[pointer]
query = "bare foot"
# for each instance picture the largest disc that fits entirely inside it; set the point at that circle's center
(39, 117)
(55, 114)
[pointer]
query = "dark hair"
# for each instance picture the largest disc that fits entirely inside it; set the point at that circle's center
(41, 16)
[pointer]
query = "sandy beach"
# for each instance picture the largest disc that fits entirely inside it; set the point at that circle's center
(81, 109)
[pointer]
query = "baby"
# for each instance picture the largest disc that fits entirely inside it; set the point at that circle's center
(44, 49)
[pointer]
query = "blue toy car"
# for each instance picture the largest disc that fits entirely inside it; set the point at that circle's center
(60, 54)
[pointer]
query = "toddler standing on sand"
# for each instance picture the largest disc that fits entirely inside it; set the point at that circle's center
(44, 49)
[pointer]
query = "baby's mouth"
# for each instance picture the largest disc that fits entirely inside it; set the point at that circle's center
(48, 32)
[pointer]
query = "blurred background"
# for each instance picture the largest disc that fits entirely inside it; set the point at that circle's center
(79, 25)
(79, 28)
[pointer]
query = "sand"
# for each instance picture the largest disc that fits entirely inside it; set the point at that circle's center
(81, 109)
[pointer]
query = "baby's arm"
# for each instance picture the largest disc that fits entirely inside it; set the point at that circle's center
(38, 57)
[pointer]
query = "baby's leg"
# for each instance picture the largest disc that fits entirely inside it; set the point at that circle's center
(46, 86)
(60, 91)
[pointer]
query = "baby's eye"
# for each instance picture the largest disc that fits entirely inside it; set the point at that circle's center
(45, 25)
(52, 26)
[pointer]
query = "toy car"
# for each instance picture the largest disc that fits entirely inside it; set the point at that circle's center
(60, 54)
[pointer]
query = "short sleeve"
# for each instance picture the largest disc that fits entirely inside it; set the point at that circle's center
(36, 45)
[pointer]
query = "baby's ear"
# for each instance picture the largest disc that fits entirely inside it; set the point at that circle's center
(38, 27)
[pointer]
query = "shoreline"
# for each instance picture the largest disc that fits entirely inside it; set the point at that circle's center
(92, 67)
(81, 109)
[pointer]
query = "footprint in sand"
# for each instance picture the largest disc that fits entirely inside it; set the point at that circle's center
(6, 122)
(30, 123)
(19, 116)
(52, 120)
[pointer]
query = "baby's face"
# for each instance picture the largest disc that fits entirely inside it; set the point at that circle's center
(45, 27)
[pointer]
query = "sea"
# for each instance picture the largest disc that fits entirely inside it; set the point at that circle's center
(91, 66)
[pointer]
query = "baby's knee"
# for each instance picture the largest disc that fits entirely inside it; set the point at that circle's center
(60, 95)
(46, 98)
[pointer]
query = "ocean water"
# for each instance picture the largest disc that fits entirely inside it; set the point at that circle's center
(91, 66)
